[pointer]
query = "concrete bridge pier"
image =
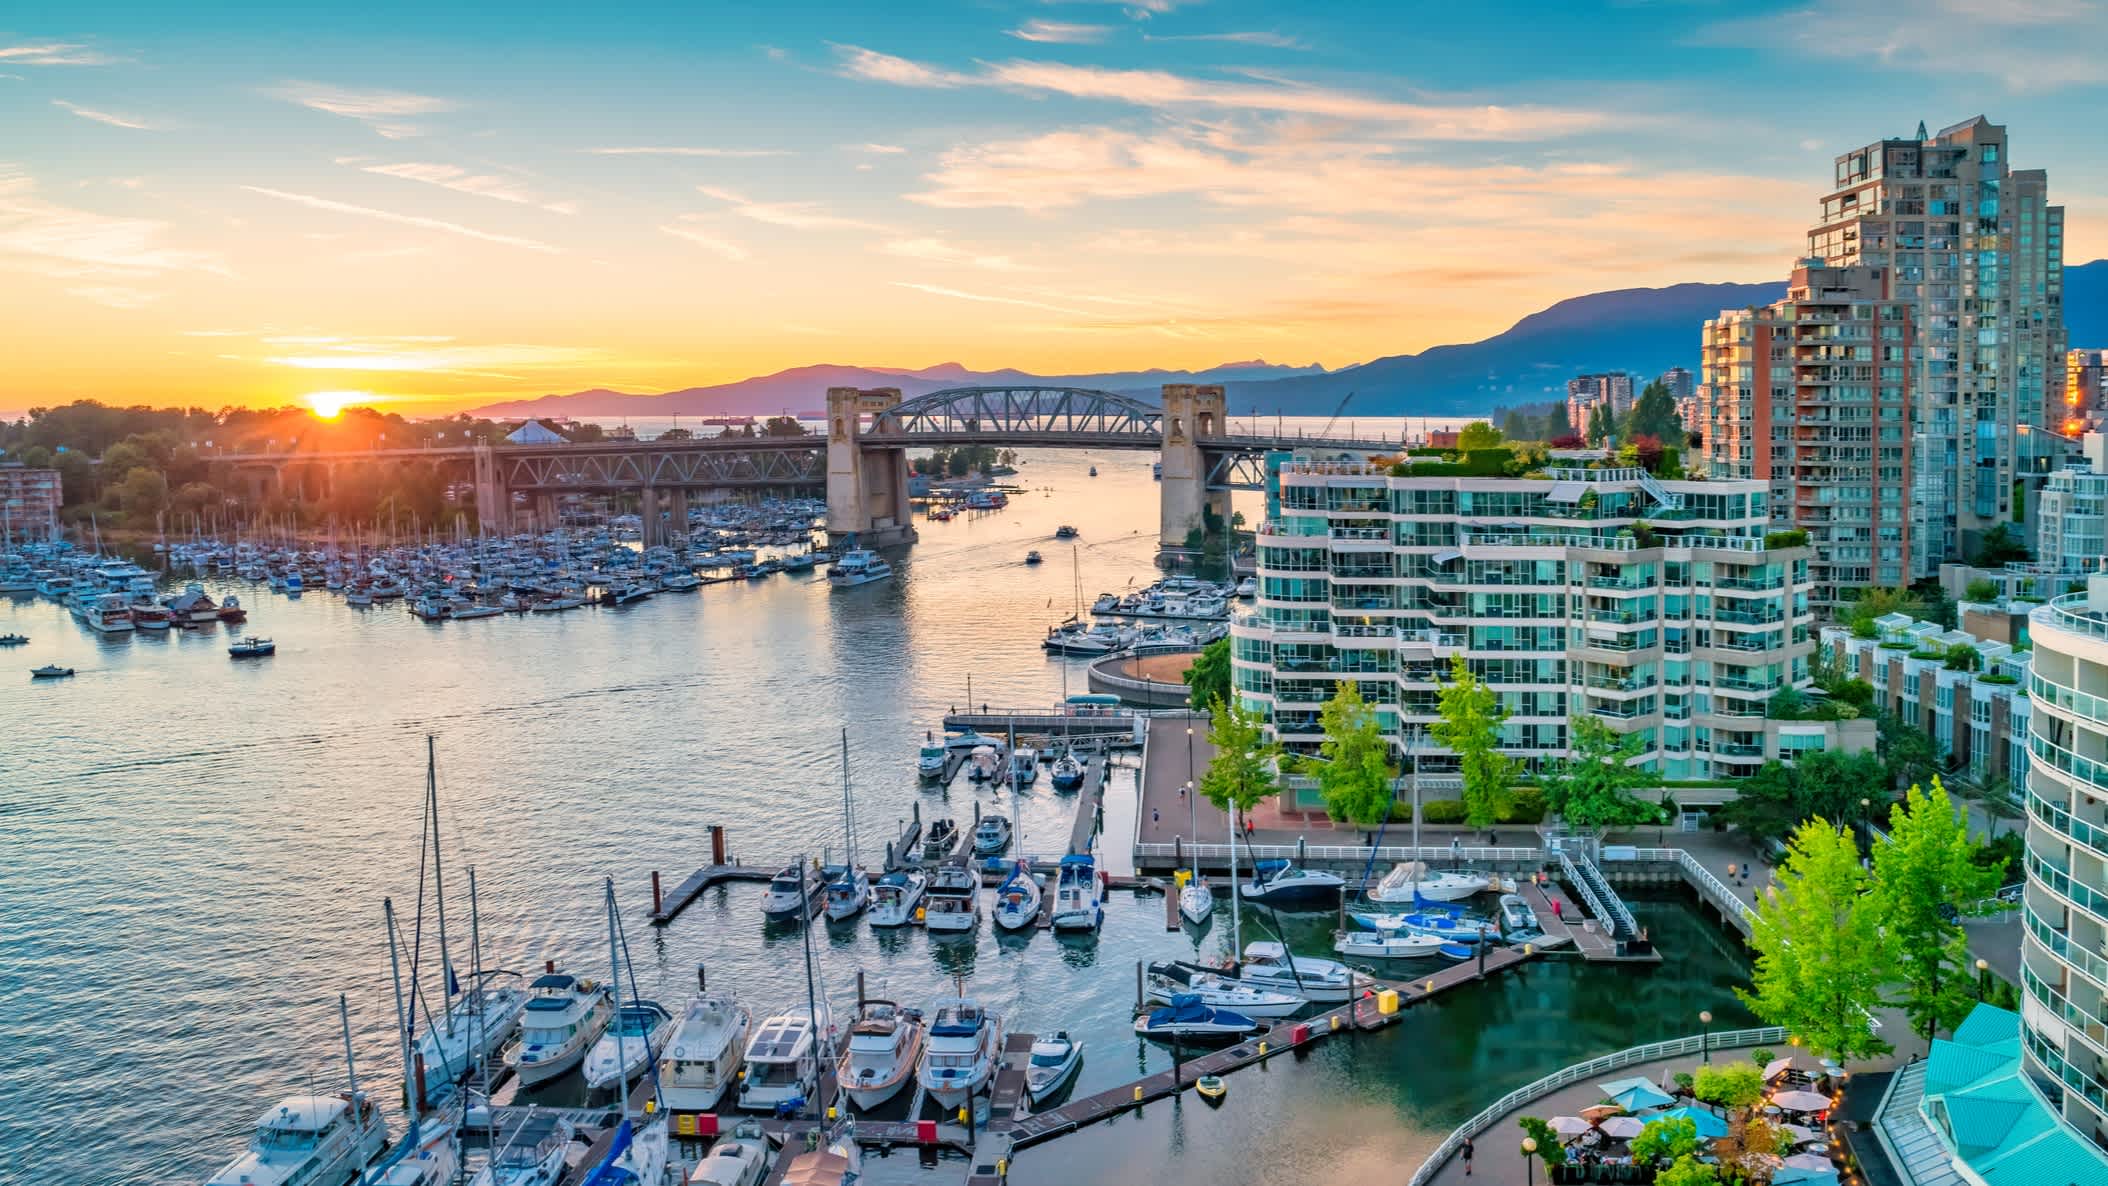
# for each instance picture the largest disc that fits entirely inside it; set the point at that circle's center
(493, 496)
(676, 528)
(651, 530)
(867, 487)
(545, 518)
(1191, 411)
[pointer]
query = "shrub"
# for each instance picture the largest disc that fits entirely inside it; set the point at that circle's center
(1864, 629)
(1795, 538)
(1963, 657)
(1445, 811)
(1980, 589)
(1525, 806)
(1996, 677)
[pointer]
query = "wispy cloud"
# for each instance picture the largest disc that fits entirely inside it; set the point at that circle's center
(987, 298)
(706, 239)
(1061, 32)
(402, 354)
(430, 224)
(116, 296)
(460, 180)
(686, 150)
(858, 62)
(802, 216)
(934, 250)
(2027, 45)
(54, 53)
(1251, 37)
(384, 111)
(63, 241)
(104, 117)
(878, 149)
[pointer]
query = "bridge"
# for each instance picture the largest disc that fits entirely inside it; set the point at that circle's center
(861, 461)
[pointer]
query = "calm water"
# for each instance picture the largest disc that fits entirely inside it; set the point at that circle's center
(193, 851)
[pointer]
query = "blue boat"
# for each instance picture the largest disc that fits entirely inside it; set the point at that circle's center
(1456, 951)
(1450, 927)
(1187, 1019)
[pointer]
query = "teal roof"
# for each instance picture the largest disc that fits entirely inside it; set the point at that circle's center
(1952, 1068)
(1988, 1025)
(1978, 1099)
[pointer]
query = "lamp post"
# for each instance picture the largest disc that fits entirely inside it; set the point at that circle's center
(1866, 822)
(1529, 1167)
(1705, 1035)
(1983, 979)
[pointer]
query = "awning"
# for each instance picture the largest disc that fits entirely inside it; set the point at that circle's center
(1566, 492)
(1447, 556)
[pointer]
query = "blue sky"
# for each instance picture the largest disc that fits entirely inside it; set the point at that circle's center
(241, 203)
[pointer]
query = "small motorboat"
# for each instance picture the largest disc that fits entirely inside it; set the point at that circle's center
(1211, 1087)
(1276, 882)
(1455, 951)
(50, 671)
(1412, 881)
(984, 763)
(1188, 1019)
(564, 1017)
(1024, 766)
(792, 893)
(992, 836)
(1017, 899)
(1196, 902)
(1267, 964)
(252, 648)
(884, 1046)
(896, 898)
(1389, 945)
(735, 1161)
(848, 892)
(942, 837)
(1518, 921)
(13, 640)
(1174, 978)
(1077, 897)
(1248, 588)
(931, 761)
(625, 1052)
(1068, 772)
(1032, 558)
(1054, 1062)
(1449, 928)
(1064, 532)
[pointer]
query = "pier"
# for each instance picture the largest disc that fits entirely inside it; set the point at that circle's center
(1119, 726)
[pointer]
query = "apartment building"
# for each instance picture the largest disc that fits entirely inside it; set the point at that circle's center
(29, 502)
(1679, 381)
(1978, 718)
(1977, 249)
(2085, 391)
(1658, 607)
(1586, 393)
(1812, 396)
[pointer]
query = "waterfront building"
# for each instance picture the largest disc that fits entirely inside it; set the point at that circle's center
(29, 502)
(1977, 717)
(2085, 391)
(1976, 248)
(1659, 607)
(1812, 396)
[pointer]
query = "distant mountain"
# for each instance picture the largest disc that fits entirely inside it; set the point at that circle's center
(1644, 331)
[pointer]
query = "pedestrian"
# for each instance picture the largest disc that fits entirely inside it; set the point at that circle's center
(1453, 841)
(1155, 816)
(1469, 1149)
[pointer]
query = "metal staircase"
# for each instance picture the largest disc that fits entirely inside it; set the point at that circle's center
(1660, 493)
(1601, 900)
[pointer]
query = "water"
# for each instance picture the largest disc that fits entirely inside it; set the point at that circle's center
(193, 850)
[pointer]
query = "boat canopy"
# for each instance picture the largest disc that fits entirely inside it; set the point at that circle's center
(1270, 865)
(894, 879)
(555, 981)
(1076, 859)
(1185, 1008)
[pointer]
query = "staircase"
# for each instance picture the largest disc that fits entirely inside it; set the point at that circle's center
(1602, 901)
(1660, 493)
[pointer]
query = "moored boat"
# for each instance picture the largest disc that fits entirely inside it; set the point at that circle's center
(639, 1031)
(783, 1061)
(960, 1054)
(1054, 1062)
(1410, 881)
(1188, 1019)
(884, 1046)
(309, 1139)
(1267, 964)
(1168, 979)
(1017, 900)
(953, 903)
(564, 1016)
(1078, 905)
(896, 897)
(795, 892)
(703, 1056)
(1276, 882)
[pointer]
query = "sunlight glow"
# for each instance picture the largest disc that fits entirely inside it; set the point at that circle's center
(328, 405)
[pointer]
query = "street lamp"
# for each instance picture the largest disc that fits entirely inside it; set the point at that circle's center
(1983, 979)
(1705, 1035)
(1529, 1168)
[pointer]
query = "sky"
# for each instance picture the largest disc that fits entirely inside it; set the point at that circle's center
(438, 205)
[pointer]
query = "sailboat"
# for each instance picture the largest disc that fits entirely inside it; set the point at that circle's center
(1017, 899)
(639, 1154)
(1196, 902)
(848, 887)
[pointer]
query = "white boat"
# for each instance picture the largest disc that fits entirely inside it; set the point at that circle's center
(1326, 982)
(433, 1160)
(884, 1046)
(564, 1017)
(476, 1028)
(961, 1053)
(991, 835)
(970, 741)
(1409, 881)
(848, 892)
(1188, 1019)
(984, 763)
(1278, 883)
(705, 1053)
(1396, 945)
(954, 900)
(1024, 766)
(1248, 588)
(527, 1151)
(737, 1160)
(639, 1156)
(320, 1139)
(680, 582)
(1017, 899)
(930, 762)
(463, 613)
(1170, 979)
(636, 1036)
(1196, 902)
(857, 567)
(783, 1061)
(1078, 895)
(1518, 921)
(105, 613)
(1068, 772)
(1054, 1062)
(1440, 924)
(793, 893)
(896, 898)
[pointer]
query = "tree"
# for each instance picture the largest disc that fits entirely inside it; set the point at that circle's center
(1981, 589)
(1242, 771)
(1734, 1085)
(1666, 1138)
(1822, 960)
(142, 494)
(1599, 424)
(1353, 767)
(1775, 800)
(1556, 424)
(1593, 787)
(1910, 752)
(1208, 679)
(1924, 873)
(1875, 603)
(1478, 435)
(1549, 1147)
(1688, 1171)
(1963, 657)
(1515, 426)
(1999, 546)
(1647, 451)
(1654, 414)
(1472, 715)
(782, 426)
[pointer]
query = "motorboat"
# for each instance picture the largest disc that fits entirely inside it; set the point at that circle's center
(960, 1056)
(1032, 558)
(796, 892)
(1267, 964)
(564, 1017)
(104, 613)
(1276, 882)
(1395, 945)
(1412, 881)
(1188, 1019)
(704, 1055)
(50, 671)
(1440, 924)
(432, 1157)
(1068, 772)
(970, 741)
(1053, 1063)
(931, 761)
(884, 1046)
(1017, 899)
(942, 837)
(527, 1151)
(954, 901)
(680, 582)
(1248, 588)
(626, 593)
(737, 1160)
(625, 1052)
(896, 898)
(309, 1138)
(639, 1155)
(1079, 903)
(1518, 921)
(983, 763)
(992, 835)
(1024, 766)
(783, 1061)
(839, 1164)
(1064, 532)
(857, 567)
(13, 640)
(1094, 471)
(476, 1027)
(252, 648)
(1458, 952)
(848, 892)
(1173, 978)
(1196, 902)
(463, 613)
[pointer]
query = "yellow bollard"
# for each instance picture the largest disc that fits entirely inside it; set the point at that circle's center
(1262, 1049)
(1002, 1167)
(1335, 1023)
(1138, 1093)
(963, 1117)
(1430, 987)
(830, 1113)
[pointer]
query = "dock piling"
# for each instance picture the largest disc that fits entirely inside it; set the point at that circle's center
(717, 844)
(658, 899)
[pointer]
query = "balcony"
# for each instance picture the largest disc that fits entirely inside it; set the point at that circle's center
(1763, 584)
(1738, 750)
(2086, 835)
(1737, 617)
(2050, 752)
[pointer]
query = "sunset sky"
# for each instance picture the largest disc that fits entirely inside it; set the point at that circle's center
(450, 203)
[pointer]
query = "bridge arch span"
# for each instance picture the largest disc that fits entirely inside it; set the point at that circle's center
(1033, 410)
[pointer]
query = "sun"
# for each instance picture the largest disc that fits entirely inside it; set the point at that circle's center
(328, 405)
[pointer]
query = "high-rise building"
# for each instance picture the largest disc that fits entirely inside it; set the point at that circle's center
(1678, 380)
(29, 502)
(2085, 392)
(1585, 393)
(1812, 395)
(1975, 245)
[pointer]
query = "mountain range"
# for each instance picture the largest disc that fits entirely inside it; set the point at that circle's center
(1641, 330)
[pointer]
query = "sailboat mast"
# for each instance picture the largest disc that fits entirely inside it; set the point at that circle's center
(812, 999)
(615, 986)
(479, 1032)
(848, 817)
(402, 1018)
(446, 966)
(351, 1068)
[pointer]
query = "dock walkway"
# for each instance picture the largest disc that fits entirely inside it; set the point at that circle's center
(1085, 825)
(685, 893)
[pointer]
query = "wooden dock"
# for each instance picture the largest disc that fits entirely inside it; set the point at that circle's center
(1085, 826)
(1570, 925)
(683, 894)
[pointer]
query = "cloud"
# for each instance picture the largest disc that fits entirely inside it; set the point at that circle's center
(858, 62)
(430, 224)
(104, 117)
(878, 149)
(381, 110)
(683, 150)
(460, 180)
(62, 241)
(1254, 37)
(2027, 45)
(116, 296)
(802, 216)
(1061, 32)
(54, 53)
(986, 298)
(935, 250)
(707, 241)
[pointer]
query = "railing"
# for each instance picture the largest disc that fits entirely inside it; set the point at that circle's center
(2062, 613)
(1596, 907)
(1658, 492)
(2067, 761)
(1615, 473)
(1344, 852)
(2066, 1009)
(1360, 533)
(1722, 896)
(2088, 964)
(1631, 1056)
(1549, 539)
(2086, 704)
(2090, 835)
(2058, 881)
(1726, 543)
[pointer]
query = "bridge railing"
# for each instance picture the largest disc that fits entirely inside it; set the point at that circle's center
(1338, 852)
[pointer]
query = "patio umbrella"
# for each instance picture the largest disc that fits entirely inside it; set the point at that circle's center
(1597, 1112)
(1808, 1161)
(1777, 1067)
(1800, 1133)
(1801, 1101)
(1570, 1126)
(1709, 1126)
(1643, 1095)
(1623, 1128)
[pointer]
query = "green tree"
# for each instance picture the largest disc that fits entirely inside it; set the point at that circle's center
(1478, 435)
(142, 494)
(1208, 679)
(1876, 603)
(1242, 771)
(1734, 1085)
(1981, 589)
(1963, 657)
(782, 426)
(1593, 787)
(1472, 715)
(1999, 546)
(1688, 1171)
(1515, 426)
(1353, 767)
(1822, 960)
(1654, 414)
(1550, 1148)
(1924, 873)
(1665, 1138)
(1600, 425)
(1911, 754)
(1556, 424)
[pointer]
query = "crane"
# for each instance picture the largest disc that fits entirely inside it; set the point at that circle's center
(1336, 414)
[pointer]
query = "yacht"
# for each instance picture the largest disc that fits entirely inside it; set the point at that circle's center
(783, 1061)
(105, 613)
(1276, 882)
(992, 835)
(527, 1151)
(623, 1053)
(1410, 881)
(626, 593)
(848, 892)
(983, 763)
(321, 1139)
(896, 898)
(1394, 945)
(1068, 772)
(704, 1055)
(564, 1016)
(954, 900)
(252, 648)
(477, 1027)
(884, 1046)
(1188, 1019)
(1326, 982)
(858, 567)
(737, 1160)
(960, 1057)
(1173, 978)
(1078, 900)
(1017, 899)
(680, 582)
(793, 893)
(1518, 921)
(1054, 1062)
(1024, 766)
(931, 761)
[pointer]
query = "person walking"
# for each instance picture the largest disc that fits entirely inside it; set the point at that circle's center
(1469, 1149)
(1155, 816)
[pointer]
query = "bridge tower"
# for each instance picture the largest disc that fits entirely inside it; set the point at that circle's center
(493, 496)
(1192, 412)
(867, 487)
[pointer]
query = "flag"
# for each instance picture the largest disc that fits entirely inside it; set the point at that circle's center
(453, 982)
